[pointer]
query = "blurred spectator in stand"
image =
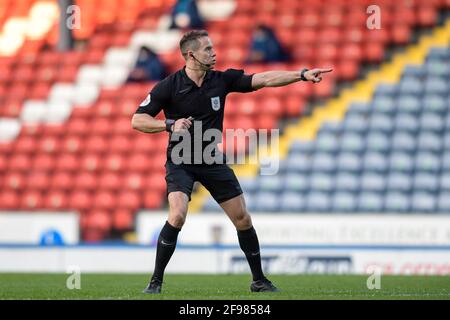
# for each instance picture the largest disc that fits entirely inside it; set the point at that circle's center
(265, 47)
(148, 67)
(185, 15)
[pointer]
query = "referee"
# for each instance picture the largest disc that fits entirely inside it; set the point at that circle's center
(197, 94)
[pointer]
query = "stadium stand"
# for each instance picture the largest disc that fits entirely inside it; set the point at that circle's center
(66, 141)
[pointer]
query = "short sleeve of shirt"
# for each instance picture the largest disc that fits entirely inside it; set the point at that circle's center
(155, 100)
(237, 81)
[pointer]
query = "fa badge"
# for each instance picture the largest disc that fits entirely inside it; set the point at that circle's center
(146, 101)
(215, 103)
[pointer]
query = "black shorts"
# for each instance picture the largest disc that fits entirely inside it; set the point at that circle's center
(218, 179)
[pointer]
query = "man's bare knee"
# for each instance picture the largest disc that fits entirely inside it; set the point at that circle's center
(242, 220)
(177, 219)
(178, 204)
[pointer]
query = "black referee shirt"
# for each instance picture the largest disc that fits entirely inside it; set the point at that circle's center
(180, 97)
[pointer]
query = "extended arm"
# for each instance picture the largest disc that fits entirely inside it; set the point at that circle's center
(146, 123)
(283, 78)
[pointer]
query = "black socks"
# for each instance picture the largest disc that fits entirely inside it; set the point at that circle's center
(167, 242)
(248, 240)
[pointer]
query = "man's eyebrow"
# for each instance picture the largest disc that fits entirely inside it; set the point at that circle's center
(208, 47)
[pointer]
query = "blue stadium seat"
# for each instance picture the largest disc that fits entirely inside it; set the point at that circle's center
(423, 202)
(437, 68)
(348, 162)
(425, 182)
(385, 89)
(347, 182)
(272, 183)
(410, 85)
(298, 163)
(300, 146)
(373, 182)
(445, 182)
(431, 121)
(436, 85)
(444, 202)
(266, 202)
(381, 122)
(414, 70)
(446, 161)
(360, 108)
(403, 142)
(344, 202)
(400, 161)
(248, 184)
(321, 182)
(427, 141)
(355, 123)
(331, 127)
(439, 53)
(352, 142)
(292, 202)
(384, 104)
(409, 103)
(296, 182)
(375, 162)
(324, 162)
(435, 103)
(318, 202)
(399, 182)
(397, 202)
(377, 141)
(327, 142)
(406, 122)
(446, 139)
(370, 202)
(427, 161)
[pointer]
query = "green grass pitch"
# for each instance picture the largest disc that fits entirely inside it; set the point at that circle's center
(221, 287)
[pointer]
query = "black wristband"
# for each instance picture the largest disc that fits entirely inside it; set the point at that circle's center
(169, 124)
(302, 75)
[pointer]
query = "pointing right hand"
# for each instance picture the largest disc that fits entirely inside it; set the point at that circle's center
(182, 124)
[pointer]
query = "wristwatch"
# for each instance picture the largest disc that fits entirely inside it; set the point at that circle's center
(169, 124)
(302, 75)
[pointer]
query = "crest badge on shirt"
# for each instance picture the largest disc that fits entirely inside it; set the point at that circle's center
(215, 103)
(146, 101)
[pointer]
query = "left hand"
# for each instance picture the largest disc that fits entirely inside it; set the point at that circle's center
(314, 75)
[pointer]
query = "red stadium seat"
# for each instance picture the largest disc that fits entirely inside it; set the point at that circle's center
(31, 200)
(156, 182)
(56, 200)
(129, 200)
(86, 181)
(38, 181)
(14, 180)
(63, 181)
(19, 162)
(43, 162)
(104, 200)
(96, 144)
(99, 220)
(81, 200)
(109, 181)
(122, 219)
(9, 200)
(67, 162)
(153, 200)
(90, 162)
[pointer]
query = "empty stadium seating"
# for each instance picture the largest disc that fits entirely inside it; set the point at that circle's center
(389, 155)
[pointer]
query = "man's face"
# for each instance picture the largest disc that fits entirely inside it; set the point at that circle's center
(205, 52)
